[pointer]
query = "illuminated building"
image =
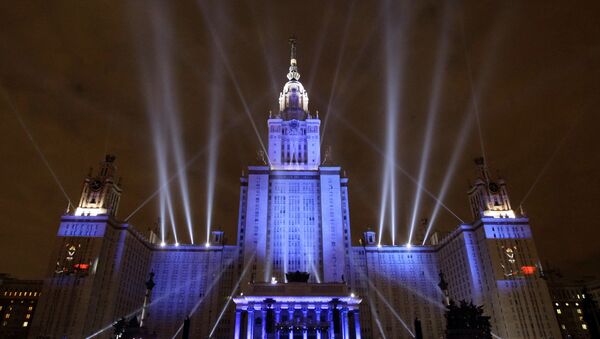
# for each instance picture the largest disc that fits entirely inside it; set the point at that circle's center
(293, 217)
(294, 211)
(18, 303)
(569, 302)
(100, 264)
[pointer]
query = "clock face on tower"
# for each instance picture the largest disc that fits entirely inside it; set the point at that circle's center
(96, 185)
(493, 187)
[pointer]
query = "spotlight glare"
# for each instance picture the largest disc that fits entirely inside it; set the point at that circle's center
(158, 92)
(216, 39)
(172, 115)
(395, 37)
(207, 244)
(450, 169)
(213, 149)
(432, 111)
(384, 198)
(163, 244)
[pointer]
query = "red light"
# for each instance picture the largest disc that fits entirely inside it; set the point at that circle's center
(82, 266)
(528, 270)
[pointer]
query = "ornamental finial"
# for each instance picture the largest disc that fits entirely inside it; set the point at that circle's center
(292, 41)
(293, 73)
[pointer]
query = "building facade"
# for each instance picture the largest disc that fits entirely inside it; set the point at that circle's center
(18, 302)
(293, 217)
(571, 302)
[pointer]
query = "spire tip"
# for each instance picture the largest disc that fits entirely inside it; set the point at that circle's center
(293, 73)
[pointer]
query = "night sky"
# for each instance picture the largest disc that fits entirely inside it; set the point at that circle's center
(76, 74)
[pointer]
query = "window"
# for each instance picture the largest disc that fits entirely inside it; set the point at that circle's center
(25, 323)
(579, 310)
(584, 326)
(558, 311)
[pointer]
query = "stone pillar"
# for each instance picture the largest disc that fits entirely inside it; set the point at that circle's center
(238, 323)
(318, 318)
(357, 324)
(345, 325)
(330, 321)
(277, 320)
(264, 323)
(305, 316)
(250, 329)
(291, 320)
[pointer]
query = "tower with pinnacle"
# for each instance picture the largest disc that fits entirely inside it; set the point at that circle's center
(294, 140)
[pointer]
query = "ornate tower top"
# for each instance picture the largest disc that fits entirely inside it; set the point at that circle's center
(294, 140)
(293, 100)
(488, 196)
(100, 194)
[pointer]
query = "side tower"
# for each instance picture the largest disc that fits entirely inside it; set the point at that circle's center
(95, 259)
(502, 264)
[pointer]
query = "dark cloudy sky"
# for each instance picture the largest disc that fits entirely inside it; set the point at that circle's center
(77, 72)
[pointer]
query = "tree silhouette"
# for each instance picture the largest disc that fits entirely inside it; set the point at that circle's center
(466, 321)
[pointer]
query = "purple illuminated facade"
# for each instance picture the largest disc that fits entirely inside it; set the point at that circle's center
(293, 217)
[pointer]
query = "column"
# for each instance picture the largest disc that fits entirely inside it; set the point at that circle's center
(330, 321)
(345, 325)
(250, 323)
(318, 318)
(357, 324)
(238, 323)
(277, 320)
(305, 316)
(291, 320)
(264, 323)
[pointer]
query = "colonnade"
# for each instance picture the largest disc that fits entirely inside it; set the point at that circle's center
(286, 320)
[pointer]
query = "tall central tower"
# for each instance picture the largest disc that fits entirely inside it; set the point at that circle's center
(294, 212)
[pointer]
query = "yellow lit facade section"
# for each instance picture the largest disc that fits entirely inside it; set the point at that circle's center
(488, 196)
(18, 300)
(100, 194)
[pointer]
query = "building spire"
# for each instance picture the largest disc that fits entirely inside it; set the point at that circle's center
(293, 73)
(292, 40)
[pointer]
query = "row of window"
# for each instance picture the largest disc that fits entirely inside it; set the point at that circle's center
(25, 323)
(21, 294)
(583, 326)
(566, 304)
(559, 311)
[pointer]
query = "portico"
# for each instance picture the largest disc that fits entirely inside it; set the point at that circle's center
(297, 310)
